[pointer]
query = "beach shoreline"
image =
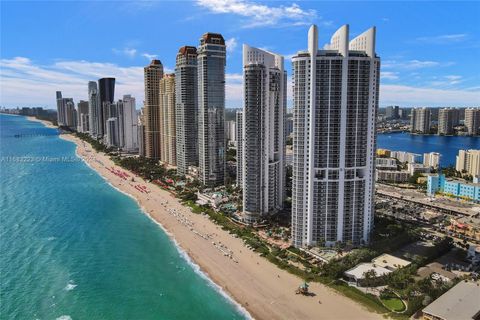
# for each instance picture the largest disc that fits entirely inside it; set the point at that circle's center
(256, 285)
(46, 123)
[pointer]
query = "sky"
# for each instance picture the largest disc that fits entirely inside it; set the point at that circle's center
(429, 50)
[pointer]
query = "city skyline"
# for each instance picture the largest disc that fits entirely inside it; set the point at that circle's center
(424, 72)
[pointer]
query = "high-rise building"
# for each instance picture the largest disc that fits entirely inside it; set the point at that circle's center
(211, 62)
(186, 100)
(404, 113)
(468, 161)
(472, 121)
(130, 122)
(447, 119)
(66, 113)
(230, 131)
(168, 153)
(263, 147)
(141, 133)
(431, 159)
(153, 74)
(392, 112)
(239, 125)
(420, 122)
(106, 96)
(70, 113)
(83, 117)
(111, 134)
(119, 115)
(60, 109)
(335, 96)
(94, 116)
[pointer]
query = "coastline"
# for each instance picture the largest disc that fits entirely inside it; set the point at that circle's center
(46, 123)
(253, 282)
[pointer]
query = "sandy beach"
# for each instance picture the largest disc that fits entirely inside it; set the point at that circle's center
(266, 291)
(46, 123)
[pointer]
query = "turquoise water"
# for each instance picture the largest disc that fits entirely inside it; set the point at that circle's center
(73, 247)
(447, 146)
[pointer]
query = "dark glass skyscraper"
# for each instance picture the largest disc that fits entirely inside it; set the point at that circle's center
(106, 90)
(211, 61)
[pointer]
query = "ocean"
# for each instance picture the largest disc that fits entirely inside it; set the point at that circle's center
(447, 146)
(73, 247)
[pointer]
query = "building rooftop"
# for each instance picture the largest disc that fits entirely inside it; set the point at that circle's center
(155, 62)
(460, 302)
(185, 50)
(213, 38)
(358, 272)
(390, 262)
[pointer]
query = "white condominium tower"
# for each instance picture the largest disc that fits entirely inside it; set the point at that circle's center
(186, 108)
(335, 94)
(448, 118)
(263, 138)
(130, 124)
(472, 121)
(168, 153)
(153, 73)
(420, 122)
(468, 161)
(211, 61)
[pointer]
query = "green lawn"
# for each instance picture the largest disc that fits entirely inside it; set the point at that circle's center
(394, 304)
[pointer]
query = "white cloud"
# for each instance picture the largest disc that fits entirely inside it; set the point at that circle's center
(149, 56)
(21, 76)
(444, 39)
(389, 75)
(231, 44)
(258, 15)
(22, 82)
(413, 64)
(447, 81)
(453, 78)
(129, 52)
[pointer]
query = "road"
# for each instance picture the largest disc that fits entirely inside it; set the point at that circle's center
(443, 204)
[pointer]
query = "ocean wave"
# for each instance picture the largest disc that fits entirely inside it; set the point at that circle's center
(70, 286)
(65, 317)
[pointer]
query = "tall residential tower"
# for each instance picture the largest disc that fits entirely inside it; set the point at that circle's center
(168, 153)
(447, 119)
(263, 138)
(335, 92)
(211, 62)
(106, 96)
(472, 121)
(186, 109)
(93, 109)
(421, 120)
(153, 73)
